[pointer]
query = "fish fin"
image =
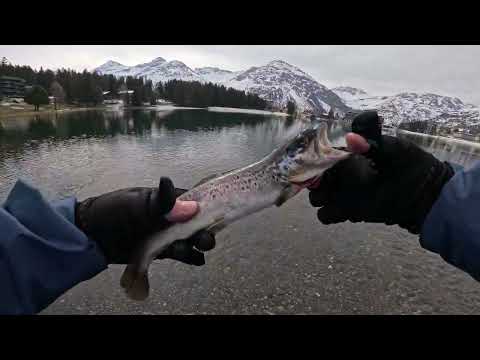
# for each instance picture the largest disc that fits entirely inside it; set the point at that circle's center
(135, 283)
(217, 226)
(135, 277)
(127, 277)
(283, 197)
(286, 194)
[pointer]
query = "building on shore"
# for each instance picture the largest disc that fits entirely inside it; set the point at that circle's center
(119, 98)
(12, 87)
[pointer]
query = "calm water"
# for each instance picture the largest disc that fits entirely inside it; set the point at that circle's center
(89, 152)
(279, 261)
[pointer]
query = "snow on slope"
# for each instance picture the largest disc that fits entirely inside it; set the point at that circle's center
(358, 98)
(216, 75)
(111, 67)
(277, 81)
(280, 82)
(421, 107)
(156, 70)
(246, 111)
(410, 106)
(146, 68)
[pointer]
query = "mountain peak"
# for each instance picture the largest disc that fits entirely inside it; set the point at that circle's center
(280, 82)
(278, 62)
(111, 62)
(176, 63)
(158, 60)
(110, 67)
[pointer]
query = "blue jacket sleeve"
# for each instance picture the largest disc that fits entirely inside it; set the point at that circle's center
(42, 252)
(452, 228)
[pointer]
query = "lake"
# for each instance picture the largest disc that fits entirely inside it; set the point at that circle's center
(280, 261)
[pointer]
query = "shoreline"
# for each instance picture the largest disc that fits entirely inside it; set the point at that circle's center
(20, 113)
(8, 113)
(241, 110)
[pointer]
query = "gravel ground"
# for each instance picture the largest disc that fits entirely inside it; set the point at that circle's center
(283, 261)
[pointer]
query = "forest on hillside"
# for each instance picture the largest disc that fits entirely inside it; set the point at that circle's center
(196, 94)
(87, 88)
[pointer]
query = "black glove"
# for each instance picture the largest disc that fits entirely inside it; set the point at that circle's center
(119, 221)
(395, 182)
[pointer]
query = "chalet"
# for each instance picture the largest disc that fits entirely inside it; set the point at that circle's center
(12, 87)
(112, 98)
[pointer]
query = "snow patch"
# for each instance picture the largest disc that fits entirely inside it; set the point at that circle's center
(277, 81)
(246, 111)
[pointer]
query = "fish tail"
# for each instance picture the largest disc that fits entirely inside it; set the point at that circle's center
(135, 282)
(135, 276)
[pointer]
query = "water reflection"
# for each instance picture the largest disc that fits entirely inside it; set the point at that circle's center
(94, 151)
(111, 123)
(86, 153)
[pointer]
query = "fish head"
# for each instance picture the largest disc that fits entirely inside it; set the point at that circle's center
(306, 157)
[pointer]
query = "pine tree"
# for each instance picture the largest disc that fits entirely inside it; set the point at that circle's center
(291, 107)
(136, 97)
(37, 96)
(97, 96)
(160, 90)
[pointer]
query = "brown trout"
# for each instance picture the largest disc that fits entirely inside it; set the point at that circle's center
(238, 193)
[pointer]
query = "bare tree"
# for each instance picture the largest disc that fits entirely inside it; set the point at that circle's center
(58, 93)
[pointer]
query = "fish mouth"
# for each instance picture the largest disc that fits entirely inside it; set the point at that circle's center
(329, 155)
(340, 155)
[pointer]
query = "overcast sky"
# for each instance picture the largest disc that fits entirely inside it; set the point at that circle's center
(380, 70)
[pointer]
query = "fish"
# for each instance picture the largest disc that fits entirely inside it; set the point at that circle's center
(223, 199)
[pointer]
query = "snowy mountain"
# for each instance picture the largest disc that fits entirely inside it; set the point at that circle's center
(156, 70)
(147, 68)
(161, 70)
(216, 75)
(280, 82)
(172, 70)
(409, 106)
(276, 81)
(421, 107)
(358, 98)
(111, 67)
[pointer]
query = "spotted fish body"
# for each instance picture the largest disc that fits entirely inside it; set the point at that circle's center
(239, 193)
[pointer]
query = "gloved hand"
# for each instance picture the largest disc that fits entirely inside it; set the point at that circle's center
(119, 221)
(387, 180)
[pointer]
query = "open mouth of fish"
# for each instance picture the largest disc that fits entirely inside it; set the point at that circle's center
(314, 181)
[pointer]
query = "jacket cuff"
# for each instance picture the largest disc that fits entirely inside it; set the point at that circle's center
(452, 229)
(45, 254)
